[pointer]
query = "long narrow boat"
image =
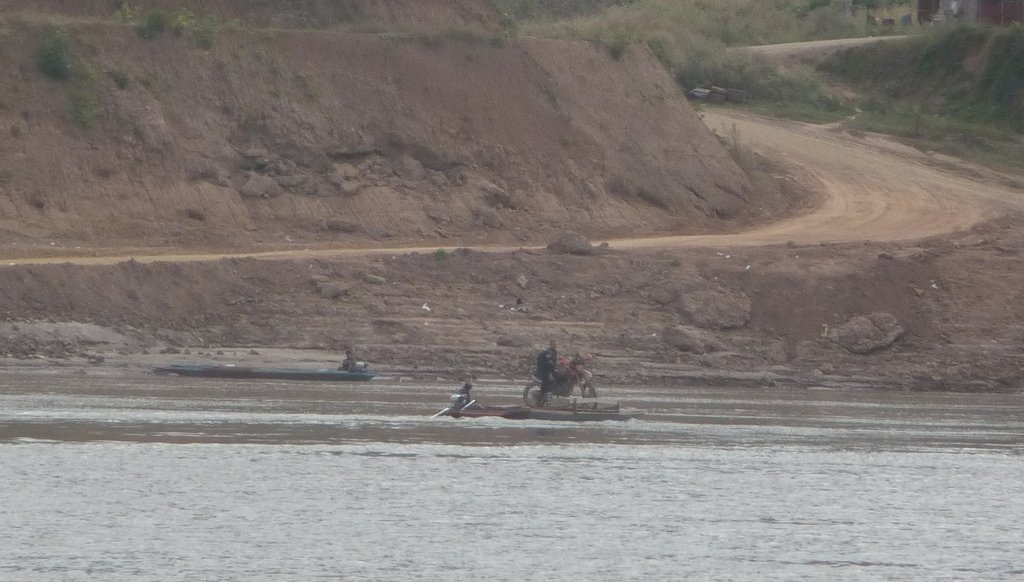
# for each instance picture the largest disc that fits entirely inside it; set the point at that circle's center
(576, 415)
(510, 412)
(576, 412)
(245, 372)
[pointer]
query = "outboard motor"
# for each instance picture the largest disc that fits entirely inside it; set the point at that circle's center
(459, 401)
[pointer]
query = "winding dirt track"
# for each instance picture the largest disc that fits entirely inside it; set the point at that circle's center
(872, 188)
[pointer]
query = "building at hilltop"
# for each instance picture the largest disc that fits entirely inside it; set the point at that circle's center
(1000, 12)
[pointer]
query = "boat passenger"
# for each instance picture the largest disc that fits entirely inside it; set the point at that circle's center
(349, 364)
(547, 364)
(462, 398)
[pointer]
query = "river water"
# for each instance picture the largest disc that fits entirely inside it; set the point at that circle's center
(140, 477)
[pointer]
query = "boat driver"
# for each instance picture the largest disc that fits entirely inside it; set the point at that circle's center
(349, 364)
(462, 398)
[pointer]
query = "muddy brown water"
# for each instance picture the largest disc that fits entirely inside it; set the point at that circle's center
(140, 477)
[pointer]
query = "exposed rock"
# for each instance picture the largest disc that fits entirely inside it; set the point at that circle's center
(571, 243)
(206, 171)
(513, 341)
(341, 225)
(689, 339)
(489, 218)
(55, 339)
(346, 170)
(325, 189)
(407, 167)
(258, 186)
(333, 290)
(664, 295)
(350, 187)
(374, 279)
(716, 308)
(292, 181)
(438, 179)
(495, 195)
(254, 153)
(866, 334)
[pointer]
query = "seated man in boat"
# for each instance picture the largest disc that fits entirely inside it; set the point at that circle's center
(350, 363)
(462, 398)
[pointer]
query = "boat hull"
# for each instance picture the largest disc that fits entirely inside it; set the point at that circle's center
(247, 373)
(576, 416)
(509, 412)
(577, 413)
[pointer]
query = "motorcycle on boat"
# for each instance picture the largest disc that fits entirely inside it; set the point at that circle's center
(570, 374)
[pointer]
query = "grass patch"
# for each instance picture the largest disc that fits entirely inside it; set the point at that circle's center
(971, 74)
(435, 40)
(958, 91)
(84, 99)
(995, 146)
(205, 32)
(691, 38)
(796, 92)
(200, 29)
(125, 13)
(54, 58)
(308, 87)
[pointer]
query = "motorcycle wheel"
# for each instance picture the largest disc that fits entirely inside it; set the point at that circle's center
(533, 396)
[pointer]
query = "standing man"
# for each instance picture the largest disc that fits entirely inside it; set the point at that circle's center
(547, 362)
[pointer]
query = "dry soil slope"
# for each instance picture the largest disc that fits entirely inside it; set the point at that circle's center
(331, 136)
(373, 14)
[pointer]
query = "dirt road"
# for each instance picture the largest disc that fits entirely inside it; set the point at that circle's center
(809, 52)
(872, 189)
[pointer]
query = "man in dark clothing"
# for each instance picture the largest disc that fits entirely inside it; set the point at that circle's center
(547, 362)
(463, 395)
(349, 364)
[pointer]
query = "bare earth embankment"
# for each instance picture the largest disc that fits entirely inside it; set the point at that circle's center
(183, 227)
(935, 250)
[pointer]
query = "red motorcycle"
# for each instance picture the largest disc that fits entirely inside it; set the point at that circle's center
(571, 372)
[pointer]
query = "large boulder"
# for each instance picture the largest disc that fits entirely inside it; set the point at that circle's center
(716, 308)
(571, 243)
(259, 186)
(864, 334)
(689, 339)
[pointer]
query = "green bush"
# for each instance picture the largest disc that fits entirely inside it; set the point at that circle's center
(120, 78)
(205, 32)
(202, 30)
(1003, 78)
(54, 54)
(345, 10)
(154, 24)
(617, 47)
(124, 12)
(182, 21)
(974, 74)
